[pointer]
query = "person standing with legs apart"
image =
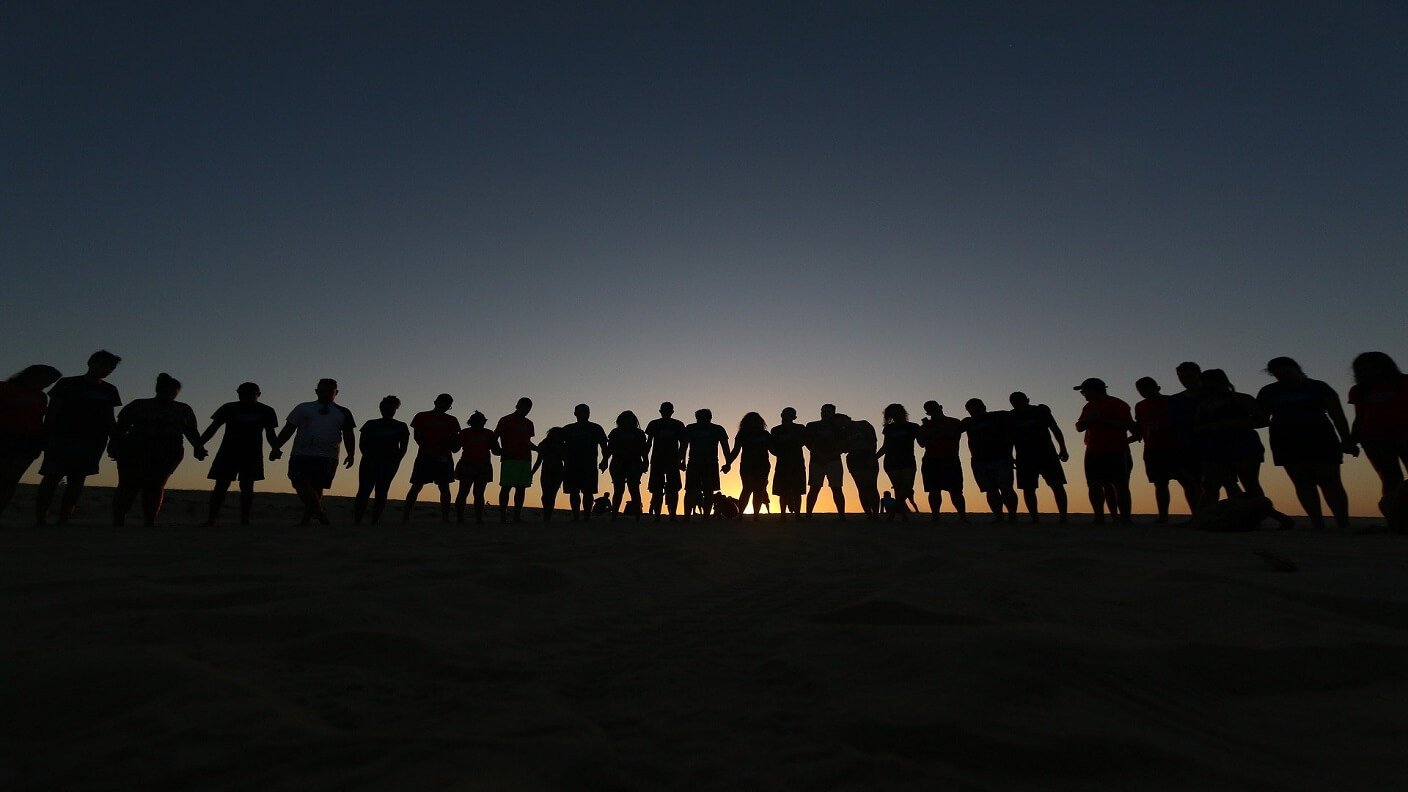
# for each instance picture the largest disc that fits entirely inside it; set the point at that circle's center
(699, 458)
(476, 467)
(384, 444)
(77, 428)
(1162, 459)
(990, 456)
(1107, 424)
(752, 443)
(550, 459)
(898, 452)
(147, 446)
(1033, 427)
(582, 440)
(663, 447)
(437, 435)
(1309, 435)
(625, 457)
(789, 480)
(22, 406)
(825, 440)
(241, 455)
(322, 426)
(515, 434)
(1380, 399)
(941, 469)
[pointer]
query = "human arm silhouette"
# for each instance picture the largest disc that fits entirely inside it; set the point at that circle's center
(1062, 453)
(119, 430)
(276, 447)
(728, 453)
(188, 428)
(606, 451)
(1336, 413)
(216, 422)
(350, 439)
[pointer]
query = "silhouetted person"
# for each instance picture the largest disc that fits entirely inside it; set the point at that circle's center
(437, 436)
(602, 505)
(940, 469)
(898, 451)
(752, 442)
(699, 457)
(861, 443)
(550, 456)
(789, 479)
(147, 446)
(665, 435)
(1188, 451)
(1162, 455)
(384, 444)
(887, 503)
(581, 442)
(625, 457)
(476, 467)
(1226, 424)
(990, 457)
(22, 406)
(515, 434)
(1107, 423)
(77, 428)
(825, 440)
(1309, 435)
(1033, 427)
(1380, 399)
(322, 426)
(241, 454)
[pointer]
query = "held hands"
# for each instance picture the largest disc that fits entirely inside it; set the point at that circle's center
(726, 468)
(1064, 456)
(275, 454)
(602, 467)
(200, 453)
(1351, 448)
(348, 463)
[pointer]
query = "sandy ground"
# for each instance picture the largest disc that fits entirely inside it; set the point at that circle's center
(710, 656)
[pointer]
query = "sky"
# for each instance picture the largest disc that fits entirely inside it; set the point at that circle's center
(733, 206)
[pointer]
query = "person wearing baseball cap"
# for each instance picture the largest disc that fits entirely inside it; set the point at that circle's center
(1107, 423)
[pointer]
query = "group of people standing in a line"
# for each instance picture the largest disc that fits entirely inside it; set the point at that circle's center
(1204, 438)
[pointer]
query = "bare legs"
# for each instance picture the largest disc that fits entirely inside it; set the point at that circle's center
(1312, 480)
(478, 487)
(44, 499)
(217, 500)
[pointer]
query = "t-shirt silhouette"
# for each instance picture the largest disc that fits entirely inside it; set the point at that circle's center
(81, 406)
(1030, 428)
(1102, 438)
(704, 442)
(245, 426)
(989, 436)
(580, 442)
(320, 428)
(515, 436)
(438, 431)
(666, 434)
(383, 437)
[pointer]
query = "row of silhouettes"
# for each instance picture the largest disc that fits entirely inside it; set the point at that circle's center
(1204, 438)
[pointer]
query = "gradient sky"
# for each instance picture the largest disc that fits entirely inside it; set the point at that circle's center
(734, 206)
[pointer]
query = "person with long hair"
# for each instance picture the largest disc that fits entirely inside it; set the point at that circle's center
(898, 452)
(1380, 399)
(625, 458)
(861, 443)
(147, 445)
(789, 480)
(1309, 435)
(752, 442)
(22, 406)
(476, 466)
(241, 455)
(77, 427)
(550, 461)
(1232, 452)
(384, 444)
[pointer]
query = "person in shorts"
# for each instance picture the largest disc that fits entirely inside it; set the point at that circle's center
(77, 426)
(1187, 448)
(1162, 458)
(625, 458)
(699, 455)
(581, 440)
(897, 450)
(1032, 428)
(1380, 399)
(146, 442)
(752, 443)
(990, 456)
(22, 406)
(515, 435)
(825, 440)
(247, 425)
(384, 444)
(550, 461)
(321, 427)
(476, 468)
(1309, 435)
(1107, 424)
(664, 435)
(940, 469)
(437, 436)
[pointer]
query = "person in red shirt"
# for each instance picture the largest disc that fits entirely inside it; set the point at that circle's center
(1154, 428)
(1107, 423)
(437, 435)
(22, 406)
(476, 468)
(941, 469)
(1380, 399)
(515, 434)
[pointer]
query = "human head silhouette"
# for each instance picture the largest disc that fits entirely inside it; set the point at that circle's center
(1374, 368)
(38, 377)
(1188, 373)
(828, 411)
(1284, 369)
(523, 406)
(247, 392)
(102, 363)
(583, 412)
(1092, 388)
(752, 422)
(444, 401)
(703, 415)
(326, 390)
(666, 409)
(1147, 387)
(389, 406)
(789, 415)
(933, 409)
(975, 407)
(1215, 381)
(477, 420)
(1018, 400)
(628, 420)
(895, 413)
(167, 387)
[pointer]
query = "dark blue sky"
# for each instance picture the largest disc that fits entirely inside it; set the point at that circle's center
(739, 207)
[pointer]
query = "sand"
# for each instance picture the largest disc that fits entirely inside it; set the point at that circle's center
(711, 656)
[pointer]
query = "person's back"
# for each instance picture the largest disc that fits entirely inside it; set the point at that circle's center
(754, 445)
(1155, 426)
(476, 444)
(1030, 431)
(824, 439)
(989, 436)
(1298, 404)
(246, 423)
(703, 440)
(82, 406)
(626, 443)
(665, 435)
(788, 442)
(581, 440)
(861, 444)
(383, 438)
(1110, 435)
(156, 423)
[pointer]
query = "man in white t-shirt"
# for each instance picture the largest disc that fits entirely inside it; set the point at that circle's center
(322, 427)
